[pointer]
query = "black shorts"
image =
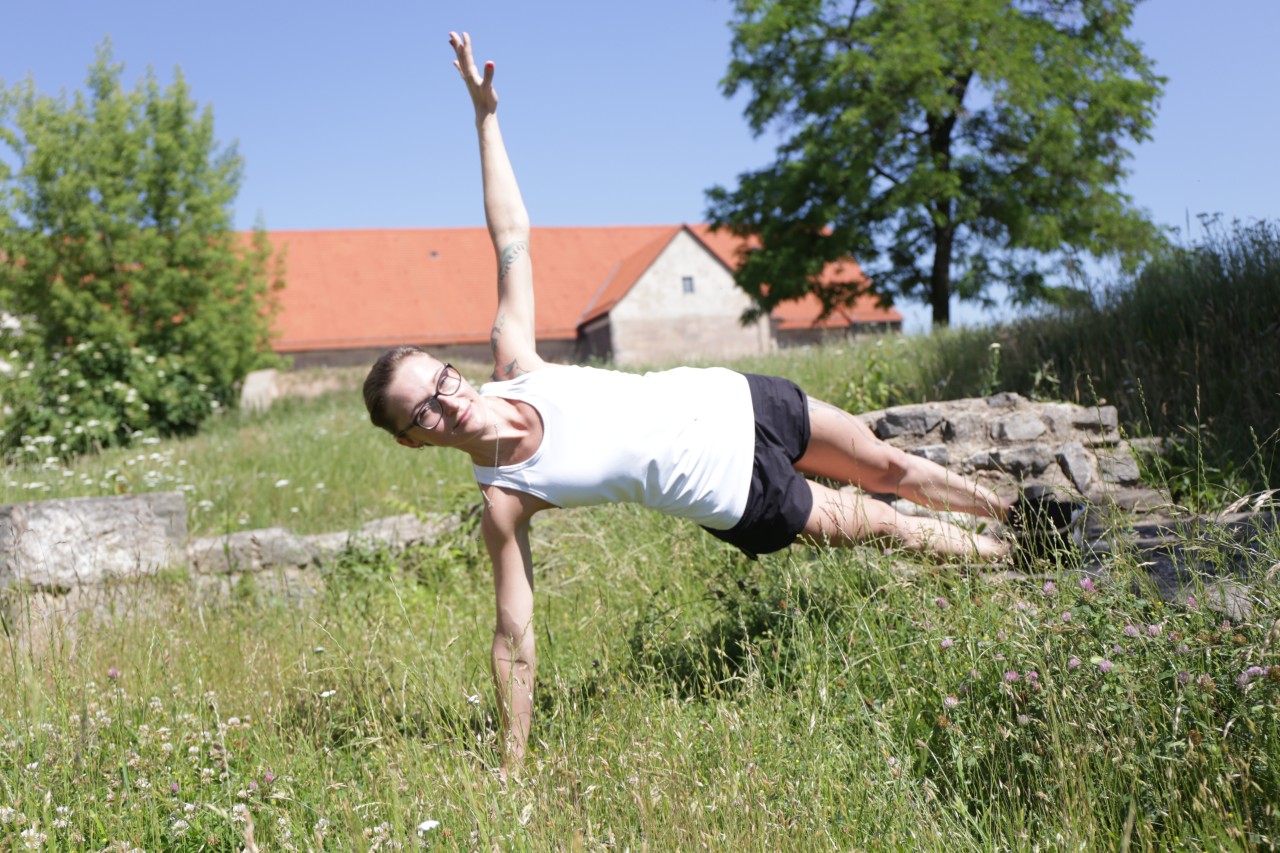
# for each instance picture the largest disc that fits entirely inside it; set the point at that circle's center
(779, 503)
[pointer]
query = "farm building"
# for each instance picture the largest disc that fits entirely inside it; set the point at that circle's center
(630, 294)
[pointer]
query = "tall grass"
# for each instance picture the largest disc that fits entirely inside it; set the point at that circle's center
(312, 465)
(687, 698)
(1189, 350)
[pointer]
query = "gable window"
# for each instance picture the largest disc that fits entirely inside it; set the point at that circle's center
(686, 284)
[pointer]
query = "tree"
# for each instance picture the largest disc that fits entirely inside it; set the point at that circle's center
(116, 226)
(944, 144)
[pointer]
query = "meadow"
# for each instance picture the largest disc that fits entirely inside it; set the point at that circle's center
(687, 698)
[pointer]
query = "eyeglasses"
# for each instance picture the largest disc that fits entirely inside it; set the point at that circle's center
(428, 414)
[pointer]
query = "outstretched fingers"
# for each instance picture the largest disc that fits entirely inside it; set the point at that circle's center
(479, 85)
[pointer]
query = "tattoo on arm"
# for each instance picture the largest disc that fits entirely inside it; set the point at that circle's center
(512, 369)
(496, 332)
(508, 258)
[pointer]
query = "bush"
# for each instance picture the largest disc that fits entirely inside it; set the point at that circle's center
(116, 229)
(97, 395)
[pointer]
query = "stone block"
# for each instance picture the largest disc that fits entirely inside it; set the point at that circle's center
(1138, 499)
(1019, 426)
(1075, 463)
(933, 452)
(1005, 400)
(60, 544)
(1103, 419)
(1022, 462)
(983, 460)
(900, 422)
(1117, 465)
(250, 551)
(401, 531)
(963, 427)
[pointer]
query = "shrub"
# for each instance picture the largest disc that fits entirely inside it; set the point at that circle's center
(116, 229)
(96, 395)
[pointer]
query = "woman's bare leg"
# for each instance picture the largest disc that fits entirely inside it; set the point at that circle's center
(850, 517)
(842, 448)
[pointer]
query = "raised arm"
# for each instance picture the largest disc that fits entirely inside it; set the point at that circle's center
(512, 337)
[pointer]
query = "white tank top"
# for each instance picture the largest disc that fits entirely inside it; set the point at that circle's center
(681, 441)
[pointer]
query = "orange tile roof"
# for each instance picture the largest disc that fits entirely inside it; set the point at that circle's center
(803, 313)
(625, 273)
(376, 288)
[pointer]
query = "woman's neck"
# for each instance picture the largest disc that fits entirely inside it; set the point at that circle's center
(513, 434)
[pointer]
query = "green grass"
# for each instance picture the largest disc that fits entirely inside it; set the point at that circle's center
(314, 466)
(687, 698)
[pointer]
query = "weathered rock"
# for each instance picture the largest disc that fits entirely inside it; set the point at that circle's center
(1074, 462)
(1139, 499)
(1019, 426)
(962, 427)
(278, 548)
(60, 544)
(1008, 442)
(1117, 465)
(1004, 400)
(46, 619)
(906, 420)
(932, 452)
(981, 460)
(249, 551)
(327, 545)
(1022, 462)
(401, 531)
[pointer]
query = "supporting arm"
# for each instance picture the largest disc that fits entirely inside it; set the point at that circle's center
(505, 527)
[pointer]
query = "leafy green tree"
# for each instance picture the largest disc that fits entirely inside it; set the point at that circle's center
(116, 226)
(944, 144)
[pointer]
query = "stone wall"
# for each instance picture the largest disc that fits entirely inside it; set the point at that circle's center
(62, 556)
(1007, 441)
(67, 563)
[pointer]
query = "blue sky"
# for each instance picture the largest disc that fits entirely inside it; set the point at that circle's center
(612, 111)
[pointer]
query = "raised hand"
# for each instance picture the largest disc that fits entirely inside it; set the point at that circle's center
(480, 87)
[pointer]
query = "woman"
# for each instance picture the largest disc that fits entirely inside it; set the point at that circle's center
(729, 451)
